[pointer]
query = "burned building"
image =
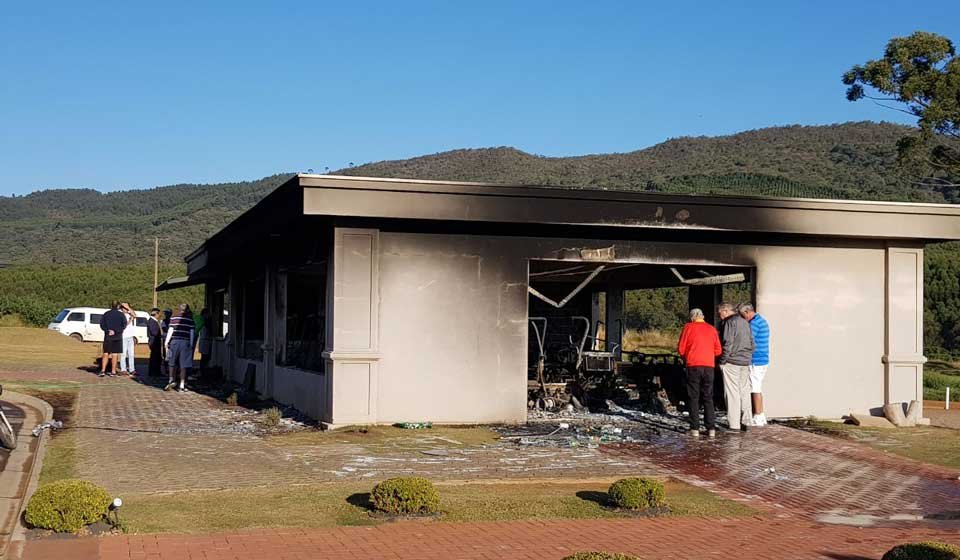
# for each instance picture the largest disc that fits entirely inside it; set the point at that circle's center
(361, 300)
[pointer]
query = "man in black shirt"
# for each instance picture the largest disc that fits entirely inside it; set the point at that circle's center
(155, 342)
(113, 322)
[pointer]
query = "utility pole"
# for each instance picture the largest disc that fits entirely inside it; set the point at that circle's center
(156, 266)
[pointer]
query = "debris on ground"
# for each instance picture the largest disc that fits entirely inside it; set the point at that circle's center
(414, 425)
(50, 425)
(583, 428)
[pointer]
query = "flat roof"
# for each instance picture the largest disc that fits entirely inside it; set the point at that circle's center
(463, 202)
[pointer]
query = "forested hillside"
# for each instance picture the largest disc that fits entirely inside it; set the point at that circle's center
(83, 235)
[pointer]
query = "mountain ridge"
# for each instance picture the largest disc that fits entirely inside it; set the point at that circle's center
(854, 160)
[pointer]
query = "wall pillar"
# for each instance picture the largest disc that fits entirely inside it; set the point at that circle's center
(615, 326)
(706, 298)
(232, 341)
(903, 357)
(268, 347)
(353, 349)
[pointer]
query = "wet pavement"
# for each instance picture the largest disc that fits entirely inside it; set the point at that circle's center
(798, 474)
(15, 416)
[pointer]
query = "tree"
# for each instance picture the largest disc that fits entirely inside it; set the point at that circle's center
(922, 74)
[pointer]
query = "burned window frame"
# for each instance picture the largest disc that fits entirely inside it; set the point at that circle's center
(305, 317)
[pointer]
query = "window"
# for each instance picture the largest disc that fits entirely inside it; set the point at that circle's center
(60, 316)
(77, 317)
(141, 321)
(306, 317)
(95, 318)
(251, 317)
(220, 308)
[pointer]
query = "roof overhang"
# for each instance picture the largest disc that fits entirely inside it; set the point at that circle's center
(182, 282)
(477, 202)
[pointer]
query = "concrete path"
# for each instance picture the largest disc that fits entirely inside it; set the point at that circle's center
(20, 467)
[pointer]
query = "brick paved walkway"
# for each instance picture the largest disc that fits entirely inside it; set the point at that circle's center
(128, 432)
(660, 539)
(814, 476)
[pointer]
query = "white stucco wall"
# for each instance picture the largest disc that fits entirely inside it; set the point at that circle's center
(453, 328)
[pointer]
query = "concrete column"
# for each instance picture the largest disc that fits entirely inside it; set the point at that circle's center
(268, 347)
(353, 350)
(615, 327)
(233, 326)
(707, 298)
(903, 345)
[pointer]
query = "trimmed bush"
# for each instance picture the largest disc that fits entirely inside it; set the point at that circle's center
(600, 556)
(406, 495)
(637, 493)
(923, 551)
(272, 417)
(67, 505)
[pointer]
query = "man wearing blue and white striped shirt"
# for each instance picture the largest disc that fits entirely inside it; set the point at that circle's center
(761, 359)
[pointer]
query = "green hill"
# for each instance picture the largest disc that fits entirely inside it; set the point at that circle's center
(61, 240)
(852, 160)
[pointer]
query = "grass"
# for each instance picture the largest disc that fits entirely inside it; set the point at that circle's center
(386, 437)
(32, 349)
(937, 376)
(937, 446)
(347, 504)
(650, 341)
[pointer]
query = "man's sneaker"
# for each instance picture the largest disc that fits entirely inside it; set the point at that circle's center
(112, 373)
(694, 433)
(102, 374)
(711, 434)
(183, 390)
(170, 386)
(757, 420)
(763, 419)
(744, 428)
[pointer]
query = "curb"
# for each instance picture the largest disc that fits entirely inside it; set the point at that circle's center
(16, 530)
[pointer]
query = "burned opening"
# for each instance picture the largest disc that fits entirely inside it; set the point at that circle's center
(607, 330)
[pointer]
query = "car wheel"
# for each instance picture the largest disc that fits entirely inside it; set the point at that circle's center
(77, 336)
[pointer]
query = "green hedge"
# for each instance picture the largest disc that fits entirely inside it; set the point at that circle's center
(32, 310)
(67, 505)
(923, 551)
(637, 493)
(406, 495)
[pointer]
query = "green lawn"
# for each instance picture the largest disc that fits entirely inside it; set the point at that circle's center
(348, 504)
(937, 376)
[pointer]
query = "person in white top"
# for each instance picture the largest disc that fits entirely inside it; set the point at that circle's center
(127, 361)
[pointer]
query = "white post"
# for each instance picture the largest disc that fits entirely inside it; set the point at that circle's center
(946, 406)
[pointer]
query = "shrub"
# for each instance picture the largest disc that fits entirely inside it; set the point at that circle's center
(406, 495)
(923, 551)
(272, 416)
(67, 505)
(600, 556)
(637, 493)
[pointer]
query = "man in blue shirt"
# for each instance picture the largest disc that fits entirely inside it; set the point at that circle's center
(761, 359)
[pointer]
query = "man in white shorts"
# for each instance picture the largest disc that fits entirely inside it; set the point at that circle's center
(761, 359)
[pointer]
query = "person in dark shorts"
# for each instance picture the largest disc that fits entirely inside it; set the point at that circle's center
(112, 323)
(699, 347)
(179, 343)
(154, 342)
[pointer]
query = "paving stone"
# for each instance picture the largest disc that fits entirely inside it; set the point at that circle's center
(657, 538)
(12, 484)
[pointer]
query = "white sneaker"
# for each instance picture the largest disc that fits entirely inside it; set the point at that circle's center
(763, 418)
(758, 420)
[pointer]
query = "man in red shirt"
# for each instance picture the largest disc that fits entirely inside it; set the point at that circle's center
(699, 347)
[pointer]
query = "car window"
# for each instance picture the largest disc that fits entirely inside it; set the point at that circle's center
(61, 316)
(76, 317)
(141, 321)
(95, 318)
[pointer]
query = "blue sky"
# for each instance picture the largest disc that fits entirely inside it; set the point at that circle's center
(116, 95)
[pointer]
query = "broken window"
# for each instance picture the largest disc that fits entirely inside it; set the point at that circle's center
(220, 313)
(306, 317)
(251, 318)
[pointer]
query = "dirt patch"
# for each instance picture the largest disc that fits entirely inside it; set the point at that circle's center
(63, 403)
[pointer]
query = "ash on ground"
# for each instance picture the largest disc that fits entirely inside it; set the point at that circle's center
(590, 429)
